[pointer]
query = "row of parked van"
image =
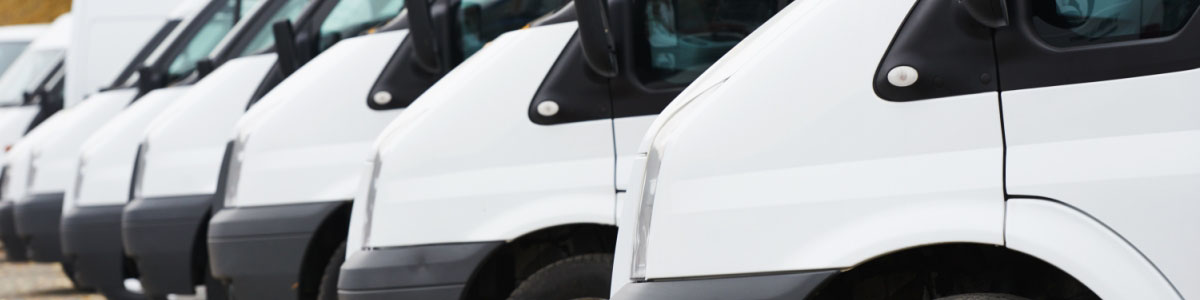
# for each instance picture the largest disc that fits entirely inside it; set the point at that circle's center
(517, 149)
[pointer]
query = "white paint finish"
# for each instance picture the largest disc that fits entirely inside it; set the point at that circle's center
(466, 163)
(56, 155)
(14, 120)
(107, 156)
(315, 129)
(187, 141)
(1095, 255)
(628, 131)
(34, 63)
(22, 33)
(108, 34)
(1125, 152)
(772, 169)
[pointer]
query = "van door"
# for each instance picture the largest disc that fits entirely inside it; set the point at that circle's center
(1101, 113)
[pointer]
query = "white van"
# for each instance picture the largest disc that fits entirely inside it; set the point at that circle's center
(296, 155)
(32, 68)
(37, 192)
(14, 39)
(175, 185)
(945, 150)
(208, 31)
(499, 182)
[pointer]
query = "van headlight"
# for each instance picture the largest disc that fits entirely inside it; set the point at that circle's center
(645, 206)
(78, 179)
(235, 170)
(139, 171)
(31, 173)
(370, 209)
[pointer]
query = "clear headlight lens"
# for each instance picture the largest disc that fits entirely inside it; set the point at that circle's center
(78, 179)
(644, 212)
(235, 170)
(31, 174)
(139, 171)
(370, 209)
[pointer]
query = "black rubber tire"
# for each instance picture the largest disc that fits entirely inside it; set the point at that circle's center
(578, 277)
(329, 280)
(983, 296)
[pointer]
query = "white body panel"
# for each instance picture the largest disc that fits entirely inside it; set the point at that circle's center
(465, 163)
(186, 142)
(54, 146)
(308, 137)
(734, 180)
(34, 62)
(108, 34)
(22, 33)
(106, 161)
(1096, 256)
(1123, 151)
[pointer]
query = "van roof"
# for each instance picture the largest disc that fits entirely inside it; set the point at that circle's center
(56, 36)
(18, 33)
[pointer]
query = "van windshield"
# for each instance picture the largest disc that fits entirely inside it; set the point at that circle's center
(25, 72)
(265, 38)
(9, 52)
(480, 21)
(202, 43)
(683, 38)
(353, 17)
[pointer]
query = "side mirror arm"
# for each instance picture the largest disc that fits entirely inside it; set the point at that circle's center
(595, 32)
(285, 47)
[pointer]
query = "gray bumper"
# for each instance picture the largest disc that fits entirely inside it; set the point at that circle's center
(162, 235)
(37, 221)
(14, 248)
(260, 250)
(788, 286)
(91, 240)
(430, 272)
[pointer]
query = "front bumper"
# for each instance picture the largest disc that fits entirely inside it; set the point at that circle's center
(260, 250)
(91, 241)
(430, 272)
(761, 287)
(163, 235)
(14, 248)
(37, 221)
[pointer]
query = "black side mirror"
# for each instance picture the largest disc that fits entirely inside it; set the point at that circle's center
(205, 67)
(425, 48)
(595, 34)
(285, 47)
(990, 13)
(148, 80)
(27, 97)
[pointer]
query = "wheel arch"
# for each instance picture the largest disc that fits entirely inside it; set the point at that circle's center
(520, 257)
(325, 240)
(1097, 255)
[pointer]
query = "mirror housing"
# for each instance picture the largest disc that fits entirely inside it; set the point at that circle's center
(990, 13)
(205, 67)
(595, 33)
(148, 80)
(285, 47)
(425, 47)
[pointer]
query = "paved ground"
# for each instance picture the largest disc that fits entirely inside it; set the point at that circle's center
(25, 280)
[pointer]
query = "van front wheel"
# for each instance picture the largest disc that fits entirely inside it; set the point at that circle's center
(983, 297)
(328, 289)
(573, 278)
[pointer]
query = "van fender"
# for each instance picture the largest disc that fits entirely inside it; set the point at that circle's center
(1095, 255)
(549, 211)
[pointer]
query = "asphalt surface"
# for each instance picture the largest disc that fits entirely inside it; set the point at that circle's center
(26, 280)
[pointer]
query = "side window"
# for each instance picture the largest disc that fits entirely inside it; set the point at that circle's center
(683, 38)
(199, 47)
(351, 18)
(265, 38)
(480, 21)
(1067, 23)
